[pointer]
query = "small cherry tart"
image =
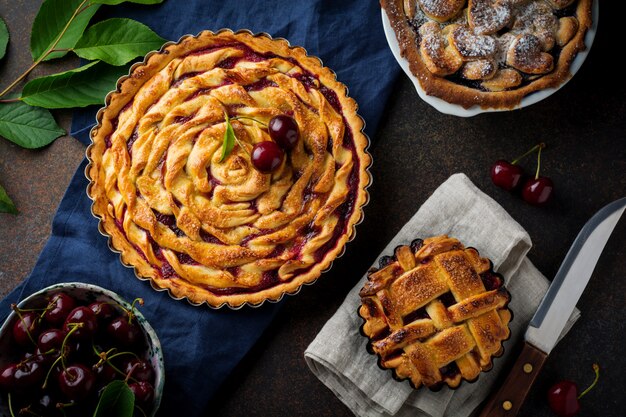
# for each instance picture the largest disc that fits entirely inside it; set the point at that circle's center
(222, 225)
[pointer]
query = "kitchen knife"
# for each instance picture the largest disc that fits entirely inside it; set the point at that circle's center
(554, 310)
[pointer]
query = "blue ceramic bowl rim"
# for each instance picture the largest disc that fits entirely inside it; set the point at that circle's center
(148, 330)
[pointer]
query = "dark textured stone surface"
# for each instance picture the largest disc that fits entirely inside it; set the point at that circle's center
(416, 149)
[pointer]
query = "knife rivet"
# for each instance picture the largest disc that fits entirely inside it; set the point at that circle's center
(507, 405)
(528, 368)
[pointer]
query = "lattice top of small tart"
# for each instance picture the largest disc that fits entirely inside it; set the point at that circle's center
(490, 53)
(435, 313)
(220, 231)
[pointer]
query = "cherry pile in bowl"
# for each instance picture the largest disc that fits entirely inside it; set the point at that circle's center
(64, 354)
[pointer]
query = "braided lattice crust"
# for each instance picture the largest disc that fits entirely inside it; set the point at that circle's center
(435, 313)
(219, 231)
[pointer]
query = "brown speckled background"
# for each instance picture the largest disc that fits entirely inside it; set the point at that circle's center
(416, 149)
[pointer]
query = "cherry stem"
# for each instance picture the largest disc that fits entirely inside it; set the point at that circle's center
(45, 381)
(596, 369)
(19, 315)
(27, 410)
(533, 149)
(249, 118)
(143, 413)
(132, 369)
(11, 406)
(539, 160)
(131, 313)
(73, 326)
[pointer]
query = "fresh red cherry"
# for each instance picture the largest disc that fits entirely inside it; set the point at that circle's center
(7, 377)
(85, 316)
(29, 374)
(143, 391)
(506, 175)
(538, 191)
(105, 373)
(125, 332)
(50, 339)
(26, 329)
(284, 131)
(103, 311)
(59, 306)
(76, 381)
(563, 399)
(563, 396)
(267, 156)
(138, 369)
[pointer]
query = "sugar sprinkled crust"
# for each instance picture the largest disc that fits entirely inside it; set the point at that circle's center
(216, 231)
(490, 53)
(435, 313)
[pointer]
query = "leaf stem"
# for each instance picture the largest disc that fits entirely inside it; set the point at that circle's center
(48, 51)
(9, 100)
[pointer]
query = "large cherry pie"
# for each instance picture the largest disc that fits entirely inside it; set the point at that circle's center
(490, 53)
(202, 221)
(435, 312)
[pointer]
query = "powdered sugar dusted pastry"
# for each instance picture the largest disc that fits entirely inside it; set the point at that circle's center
(490, 53)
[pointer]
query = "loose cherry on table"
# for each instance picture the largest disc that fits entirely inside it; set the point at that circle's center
(563, 396)
(538, 190)
(508, 175)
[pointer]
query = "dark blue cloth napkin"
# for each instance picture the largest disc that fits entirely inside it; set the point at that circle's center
(202, 346)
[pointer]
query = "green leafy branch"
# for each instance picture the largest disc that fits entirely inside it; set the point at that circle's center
(60, 27)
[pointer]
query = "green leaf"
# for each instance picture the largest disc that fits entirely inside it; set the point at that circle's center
(229, 139)
(79, 87)
(4, 38)
(116, 400)
(114, 2)
(26, 126)
(50, 22)
(117, 41)
(6, 205)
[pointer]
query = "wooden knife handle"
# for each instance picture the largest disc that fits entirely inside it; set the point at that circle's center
(507, 401)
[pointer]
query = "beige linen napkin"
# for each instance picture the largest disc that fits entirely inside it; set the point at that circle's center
(338, 356)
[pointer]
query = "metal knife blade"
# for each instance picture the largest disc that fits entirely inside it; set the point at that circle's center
(572, 278)
(554, 310)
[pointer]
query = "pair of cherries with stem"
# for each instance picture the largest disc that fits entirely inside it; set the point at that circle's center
(536, 190)
(267, 156)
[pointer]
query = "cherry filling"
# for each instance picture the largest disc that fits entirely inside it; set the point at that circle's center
(491, 280)
(260, 85)
(418, 314)
(449, 371)
(344, 211)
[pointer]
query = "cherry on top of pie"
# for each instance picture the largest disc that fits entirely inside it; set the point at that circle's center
(218, 230)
